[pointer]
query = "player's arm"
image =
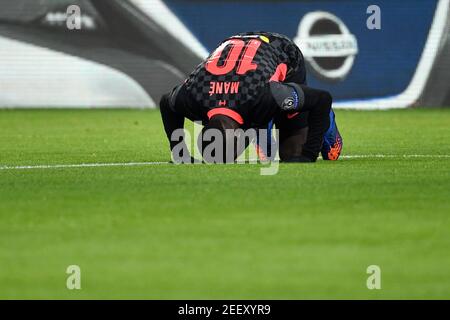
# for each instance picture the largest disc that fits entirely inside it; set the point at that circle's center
(174, 123)
(291, 98)
(318, 102)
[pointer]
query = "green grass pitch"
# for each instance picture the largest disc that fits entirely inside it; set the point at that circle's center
(222, 231)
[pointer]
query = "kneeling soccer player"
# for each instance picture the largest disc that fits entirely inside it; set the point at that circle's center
(248, 81)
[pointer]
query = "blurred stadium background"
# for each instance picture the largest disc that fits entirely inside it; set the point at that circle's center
(129, 52)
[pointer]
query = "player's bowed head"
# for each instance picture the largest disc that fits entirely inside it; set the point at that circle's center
(219, 142)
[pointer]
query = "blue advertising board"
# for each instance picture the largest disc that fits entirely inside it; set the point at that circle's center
(356, 64)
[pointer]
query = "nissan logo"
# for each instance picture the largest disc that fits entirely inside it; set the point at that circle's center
(327, 45)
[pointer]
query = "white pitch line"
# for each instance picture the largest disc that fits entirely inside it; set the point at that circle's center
(357, 156)
(142, 164)
(84, 165)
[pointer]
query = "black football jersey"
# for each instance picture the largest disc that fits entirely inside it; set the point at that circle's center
(237, 72)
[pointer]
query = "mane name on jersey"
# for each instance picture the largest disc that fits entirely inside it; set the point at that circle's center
(223, 87)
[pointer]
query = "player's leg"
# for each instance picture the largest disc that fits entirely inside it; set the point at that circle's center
(314, 101)
(293, 133)
(268, 150)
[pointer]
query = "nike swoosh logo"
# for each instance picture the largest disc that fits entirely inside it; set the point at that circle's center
(291, 115)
